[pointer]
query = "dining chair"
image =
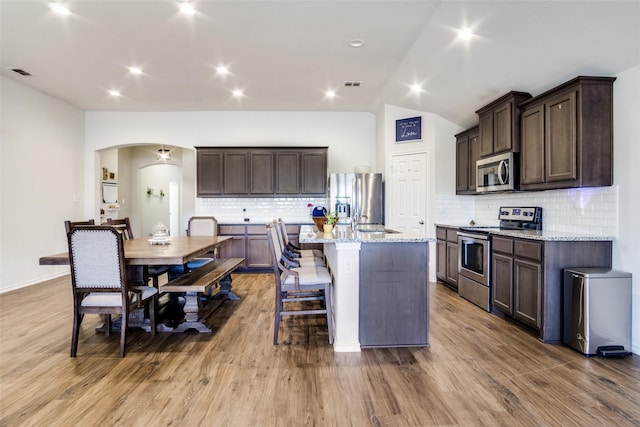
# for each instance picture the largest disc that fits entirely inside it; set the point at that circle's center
(154, 272)
(68, 225)
(291, 258)
(99, 281)
(197, 226)
(298, 285)
(294, 248)
(123, 225)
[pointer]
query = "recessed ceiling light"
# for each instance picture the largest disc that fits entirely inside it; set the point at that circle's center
(416, 88)
(59, 9)
(356, 43)
(237, 93)
(222, 70)
(465, 34)
(330, 94)
(187, 9)
(114, 93)
(135, 70)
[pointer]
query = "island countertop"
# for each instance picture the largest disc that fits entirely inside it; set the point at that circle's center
(344, 234)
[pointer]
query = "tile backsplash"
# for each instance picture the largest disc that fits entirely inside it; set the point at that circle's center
(581, 210)
(258, 210)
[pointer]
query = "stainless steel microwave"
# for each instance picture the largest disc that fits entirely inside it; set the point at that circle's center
(496, 173)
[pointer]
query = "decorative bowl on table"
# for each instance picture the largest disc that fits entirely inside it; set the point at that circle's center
(319, 221)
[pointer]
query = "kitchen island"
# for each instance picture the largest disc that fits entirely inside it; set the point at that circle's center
(380, 286)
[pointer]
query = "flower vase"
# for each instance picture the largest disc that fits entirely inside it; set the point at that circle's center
(327, 228)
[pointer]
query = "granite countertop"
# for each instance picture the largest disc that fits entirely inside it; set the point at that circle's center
(544, 235)
(343, 234)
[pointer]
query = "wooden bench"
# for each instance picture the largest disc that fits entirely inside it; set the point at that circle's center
(201, 281)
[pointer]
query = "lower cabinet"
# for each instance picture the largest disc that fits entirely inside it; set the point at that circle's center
(249, 241)
(394, 294)
(526, 279)
(447, 255)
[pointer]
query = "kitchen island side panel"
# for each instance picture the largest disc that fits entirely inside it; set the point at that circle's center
(394, 294)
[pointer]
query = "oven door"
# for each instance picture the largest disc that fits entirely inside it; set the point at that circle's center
(473, 256)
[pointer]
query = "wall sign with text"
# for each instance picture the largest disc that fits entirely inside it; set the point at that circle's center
(409, 129)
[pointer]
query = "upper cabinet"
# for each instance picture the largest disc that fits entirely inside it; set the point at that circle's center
(467, 153)
(499, 127)
(261, 172)
(567, 136)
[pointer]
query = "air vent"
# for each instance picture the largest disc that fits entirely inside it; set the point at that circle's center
(352, 84)
(20, 71)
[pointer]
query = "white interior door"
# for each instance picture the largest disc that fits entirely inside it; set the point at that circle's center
(408, 191)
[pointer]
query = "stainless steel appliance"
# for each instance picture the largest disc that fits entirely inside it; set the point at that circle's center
(474, 252)
(358, 195)
(496, 173)
(597, 310)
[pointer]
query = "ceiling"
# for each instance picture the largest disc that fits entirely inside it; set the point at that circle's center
(285, 54)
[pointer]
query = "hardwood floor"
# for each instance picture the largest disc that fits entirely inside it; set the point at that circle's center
(479, 370)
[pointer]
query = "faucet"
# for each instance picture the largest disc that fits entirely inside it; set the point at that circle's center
(354, 220)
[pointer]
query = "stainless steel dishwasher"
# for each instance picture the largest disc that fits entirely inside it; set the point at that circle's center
(597, 311)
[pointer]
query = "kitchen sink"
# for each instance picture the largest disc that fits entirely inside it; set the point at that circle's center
(377, 230)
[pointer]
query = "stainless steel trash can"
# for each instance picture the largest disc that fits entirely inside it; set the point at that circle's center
(597, 309)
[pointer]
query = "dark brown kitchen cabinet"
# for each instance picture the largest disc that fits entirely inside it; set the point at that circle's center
(526, 281)
(209, 173)
(235, 171)
(467, 153)
(314, 172)
(258, 255)
(502, 274)
(249, 241)
(567, 136)
(499, 127)
(261, 172)
(288, 173)
(447, 255)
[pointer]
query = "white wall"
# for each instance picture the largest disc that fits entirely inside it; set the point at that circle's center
(626, 249)
(42, 181)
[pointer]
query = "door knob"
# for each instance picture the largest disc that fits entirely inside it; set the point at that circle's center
(421, 222)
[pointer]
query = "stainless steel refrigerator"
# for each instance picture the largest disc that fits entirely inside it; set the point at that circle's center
(360, 194)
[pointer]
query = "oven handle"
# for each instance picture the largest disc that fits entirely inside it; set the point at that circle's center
(473, 235)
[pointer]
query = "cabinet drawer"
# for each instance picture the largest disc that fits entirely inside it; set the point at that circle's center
(527, 249)
(225, 230)
(441, 233)
(452, 235)
(257, 229)
(503, 245)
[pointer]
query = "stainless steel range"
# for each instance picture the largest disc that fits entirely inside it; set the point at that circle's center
(474, 252)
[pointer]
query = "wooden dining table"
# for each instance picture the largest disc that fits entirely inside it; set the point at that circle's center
(139, 254)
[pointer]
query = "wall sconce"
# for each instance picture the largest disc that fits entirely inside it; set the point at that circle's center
(163, 154)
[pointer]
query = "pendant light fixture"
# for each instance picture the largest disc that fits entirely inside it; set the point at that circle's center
(163, 154)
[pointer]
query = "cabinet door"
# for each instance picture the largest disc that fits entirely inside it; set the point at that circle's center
(502, 132)
(258, 255)
(441, 260)
(236, 165)
(486, 133)
(209, 173)
(261, 172)
(532, 146)
(528, 287)
(474, 156)
(502, 282)
(314, 173)
(287, 173)
(234, 248)
(560, 138)
(462, 164)
(452, 263)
